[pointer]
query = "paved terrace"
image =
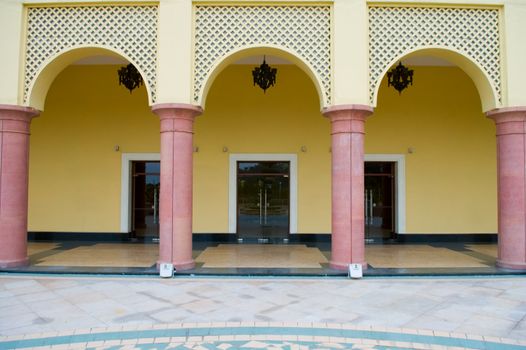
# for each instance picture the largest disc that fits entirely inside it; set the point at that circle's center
(217, 313)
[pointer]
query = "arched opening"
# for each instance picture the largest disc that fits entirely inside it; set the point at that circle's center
(487, 92)
(430, 174)
(266, 155)
(94, 169)
(260, 51)
(57, 63)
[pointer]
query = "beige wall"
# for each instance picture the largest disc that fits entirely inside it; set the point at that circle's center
(75, 171)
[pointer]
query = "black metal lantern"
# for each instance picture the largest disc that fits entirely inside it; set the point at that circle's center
(130, 77)
(400, 77)
(264, 76)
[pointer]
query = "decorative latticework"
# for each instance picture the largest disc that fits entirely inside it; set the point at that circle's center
(130, 30)
(473, 32)
(304, 30)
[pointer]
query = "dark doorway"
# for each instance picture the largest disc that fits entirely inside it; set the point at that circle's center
(379, 201)
(263, 196)
(145, 200)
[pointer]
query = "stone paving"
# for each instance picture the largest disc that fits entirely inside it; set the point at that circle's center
(45, 307)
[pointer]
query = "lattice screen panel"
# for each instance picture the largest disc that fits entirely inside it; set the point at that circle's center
(131, 30)
(302, 29)
(472, 31)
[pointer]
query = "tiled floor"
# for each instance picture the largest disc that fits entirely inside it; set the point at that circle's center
(426, 256)
(97, 255)
(261, 256)
(249, 313)
(214, 258)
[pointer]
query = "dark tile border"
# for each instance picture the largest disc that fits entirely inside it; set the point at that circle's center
(450, 238)
(78, 236)
(304, 238)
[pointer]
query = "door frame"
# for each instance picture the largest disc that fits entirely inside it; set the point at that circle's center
(232, 185)
(126, 185)
(399, 183)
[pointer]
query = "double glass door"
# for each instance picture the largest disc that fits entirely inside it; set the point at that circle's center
(263, 195)
(379, 200)
(145, 200)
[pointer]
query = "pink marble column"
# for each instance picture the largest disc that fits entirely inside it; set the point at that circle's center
(348, 131)
(175, 198)
(14, 166)
(511, 172)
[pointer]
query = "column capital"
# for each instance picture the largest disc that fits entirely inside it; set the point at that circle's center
(177, 110)
(19, 113)
(509, 120)
(507, 114)
(177, 117)
(348, 118)
(351, 111)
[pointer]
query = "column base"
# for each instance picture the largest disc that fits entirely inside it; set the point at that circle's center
(180, 266)
(511, 265)
(345, 266)
(186, 265)
(14, 263)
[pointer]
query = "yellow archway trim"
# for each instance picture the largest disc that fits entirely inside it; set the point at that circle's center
(55, 64)
(487, 92)
(258, 50)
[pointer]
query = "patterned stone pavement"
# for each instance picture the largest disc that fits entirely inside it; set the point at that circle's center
(278, 313)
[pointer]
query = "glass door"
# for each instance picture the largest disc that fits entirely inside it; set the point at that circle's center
(145, 200)
(379, 201)
(263, 197)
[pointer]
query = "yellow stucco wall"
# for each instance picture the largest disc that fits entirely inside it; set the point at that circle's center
(75, 171)
(246, 120)
(451, 179)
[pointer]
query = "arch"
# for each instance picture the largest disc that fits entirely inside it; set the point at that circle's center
(50, 69)
(488, 94)
(248, 51)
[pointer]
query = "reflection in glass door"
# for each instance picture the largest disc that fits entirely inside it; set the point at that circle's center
(379, 201)
(263, 196)
(145, 200)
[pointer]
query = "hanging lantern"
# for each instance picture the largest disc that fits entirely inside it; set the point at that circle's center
(400, 77)
(130, 77)
(264, 76)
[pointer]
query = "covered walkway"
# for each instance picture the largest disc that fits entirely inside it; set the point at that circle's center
(249, 259)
